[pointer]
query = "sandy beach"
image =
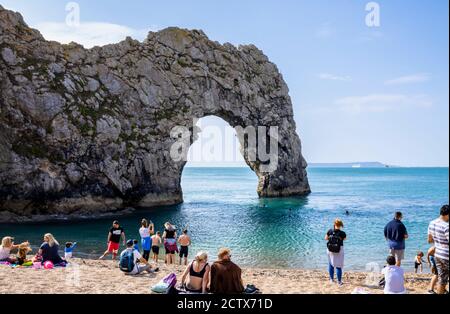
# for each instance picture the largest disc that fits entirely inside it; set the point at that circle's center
(104, 277)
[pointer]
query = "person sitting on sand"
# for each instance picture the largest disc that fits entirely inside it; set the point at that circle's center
(185, 241)
(226, 276)
(432, 264)
(114, 236)
(170, 242)
(139, 264)
(335, 249)
(49, 250)
(146, 231)
(394, 277)
(156, 243)
(196, 275)
(418, 262)
(6, 247)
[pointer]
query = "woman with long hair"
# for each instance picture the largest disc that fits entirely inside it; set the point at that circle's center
(49, 250)
(146, 231)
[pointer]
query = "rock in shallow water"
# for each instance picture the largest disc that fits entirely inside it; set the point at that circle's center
(89, 130)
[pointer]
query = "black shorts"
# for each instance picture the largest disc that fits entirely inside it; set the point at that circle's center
(155, 249)
(416, 265)
(184, 251)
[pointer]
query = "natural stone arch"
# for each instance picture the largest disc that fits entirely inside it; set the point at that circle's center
(84, 130)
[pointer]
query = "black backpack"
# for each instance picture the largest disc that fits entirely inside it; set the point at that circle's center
(334, 243)
(126, 263)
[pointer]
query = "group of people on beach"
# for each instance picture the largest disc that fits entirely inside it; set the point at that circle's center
(151, 242)
(396, 233)
(224, 276)
(48, 253)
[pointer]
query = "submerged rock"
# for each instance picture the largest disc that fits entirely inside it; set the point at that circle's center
(89, 130)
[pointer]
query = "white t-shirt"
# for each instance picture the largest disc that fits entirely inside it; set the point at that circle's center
(144, 232)
(4, 253)
(395, 280)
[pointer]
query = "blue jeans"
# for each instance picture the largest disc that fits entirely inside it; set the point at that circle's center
(338, 272)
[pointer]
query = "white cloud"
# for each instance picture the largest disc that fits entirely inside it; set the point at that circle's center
(90, 34)
(415, 78)
(328, 76)
(382, 102)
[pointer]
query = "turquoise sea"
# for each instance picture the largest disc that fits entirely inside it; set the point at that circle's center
(222, 209)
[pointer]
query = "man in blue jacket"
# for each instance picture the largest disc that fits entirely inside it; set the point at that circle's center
(395, 233)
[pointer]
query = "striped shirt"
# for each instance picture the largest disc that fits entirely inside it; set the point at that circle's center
(438, 229)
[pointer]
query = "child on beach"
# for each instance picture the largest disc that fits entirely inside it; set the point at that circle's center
(432, 263)
(68, 250)
(156, 243)
(418, 262)
(185, 241)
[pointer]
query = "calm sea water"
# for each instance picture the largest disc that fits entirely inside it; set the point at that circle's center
(222, 209)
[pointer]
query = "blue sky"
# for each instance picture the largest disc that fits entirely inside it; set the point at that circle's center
(359, 93)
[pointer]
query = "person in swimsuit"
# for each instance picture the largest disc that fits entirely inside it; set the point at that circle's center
(156, 243)
(185, 241)
(432, 263)
(196, 275)
(170, 242)
(418, 262)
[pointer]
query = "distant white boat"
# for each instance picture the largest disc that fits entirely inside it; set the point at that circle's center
(356, 166)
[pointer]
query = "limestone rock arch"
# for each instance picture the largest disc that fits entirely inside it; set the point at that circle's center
(88, 130)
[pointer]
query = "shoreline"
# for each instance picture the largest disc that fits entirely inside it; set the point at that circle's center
(103, 277)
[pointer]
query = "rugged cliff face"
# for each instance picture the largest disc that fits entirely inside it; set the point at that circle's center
(85, 131)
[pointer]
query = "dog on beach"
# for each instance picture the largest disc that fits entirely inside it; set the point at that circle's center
(23, 251)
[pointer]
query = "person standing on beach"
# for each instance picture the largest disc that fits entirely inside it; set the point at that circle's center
(432, 264)
(185, 241)
(438, 234)
(395, 233)
(156, 243)
(170, 242)
(146, 231)
(335, 249)
(115, 234)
